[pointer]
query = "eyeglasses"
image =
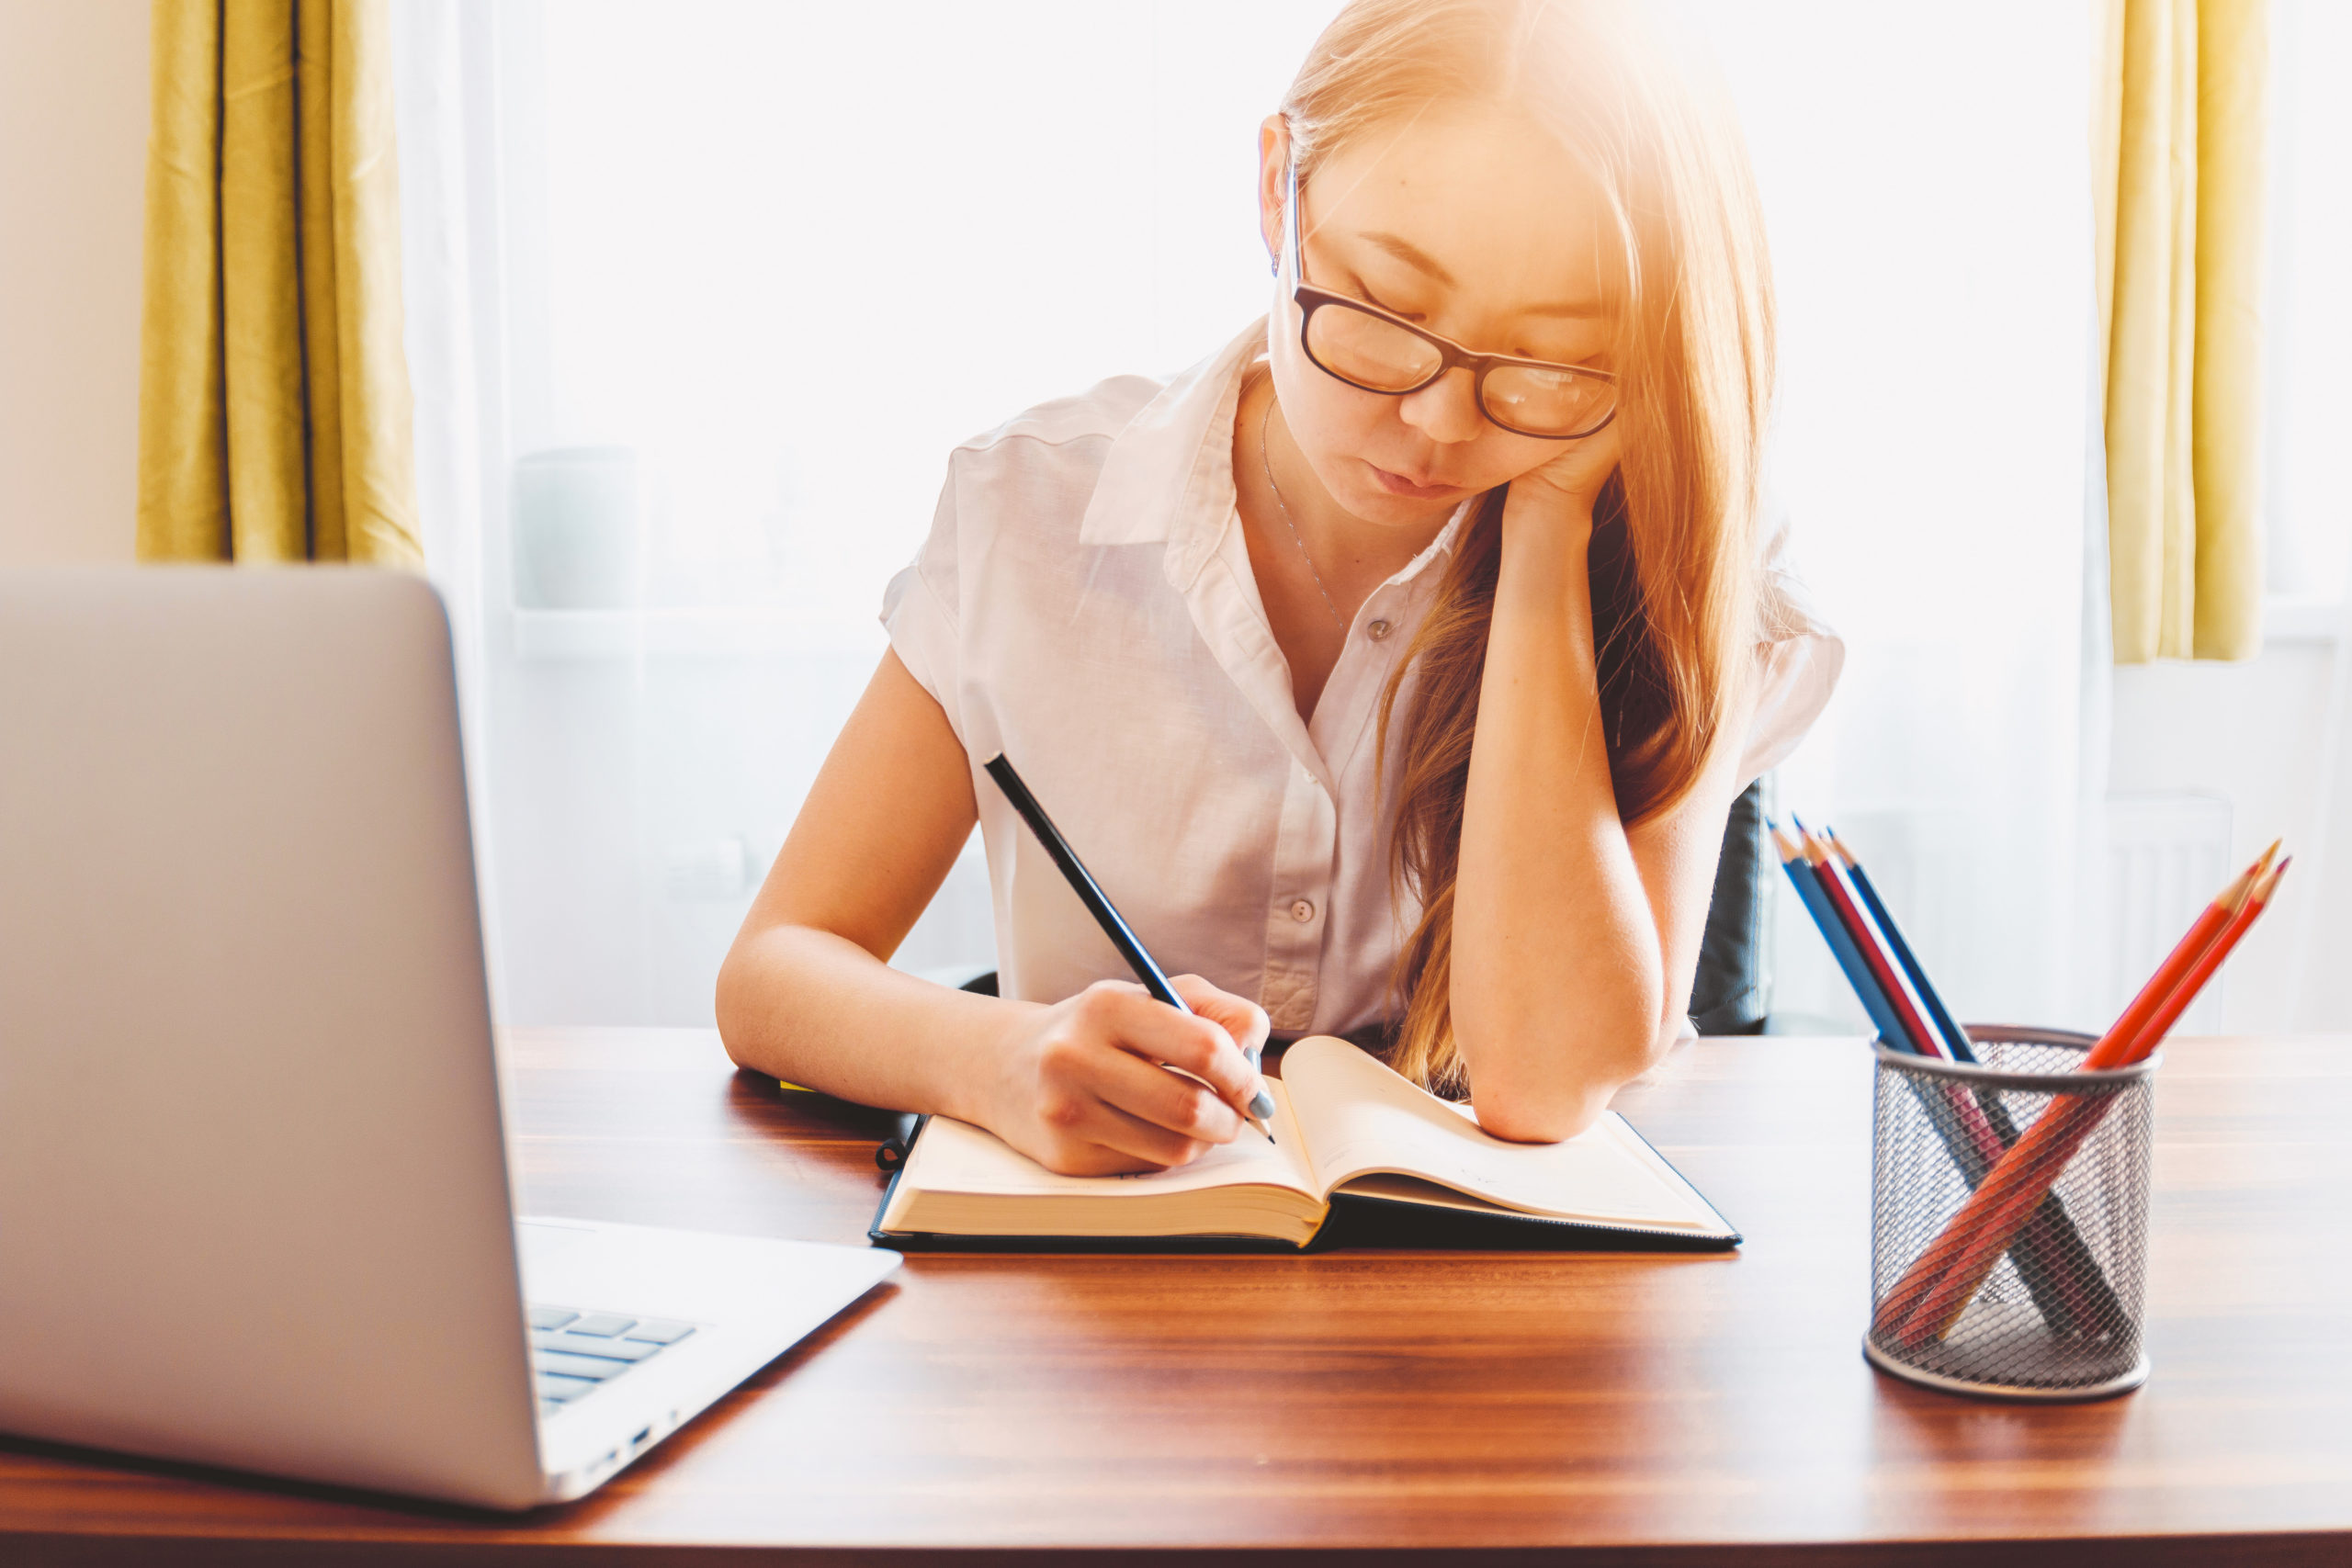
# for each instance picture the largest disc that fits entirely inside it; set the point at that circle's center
(1358, 342)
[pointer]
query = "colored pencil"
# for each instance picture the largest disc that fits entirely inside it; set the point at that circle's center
(2065, 1280)
(2053, 1240)
(2123, 1036)
(1921, 1039)
(1945, 1278)
(2152, 1032)
(2079, 1118)
(1807, 883)
(2059, 1271)
(1956, 1041)
(1941, 1255)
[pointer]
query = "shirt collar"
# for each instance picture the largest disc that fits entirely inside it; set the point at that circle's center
(1441, 548)
(1168, 477)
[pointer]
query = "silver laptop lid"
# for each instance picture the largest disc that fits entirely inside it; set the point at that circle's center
(254, 1201)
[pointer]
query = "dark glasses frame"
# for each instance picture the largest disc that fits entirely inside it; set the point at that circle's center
(1451, 355)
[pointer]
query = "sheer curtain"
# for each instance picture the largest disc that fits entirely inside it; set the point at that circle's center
(706, 291)
(715, 289)
(1925, 174)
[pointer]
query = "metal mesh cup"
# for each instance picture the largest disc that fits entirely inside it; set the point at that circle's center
(2059, 1317)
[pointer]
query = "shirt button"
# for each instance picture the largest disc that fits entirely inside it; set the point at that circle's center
(1302, 911)
(1377, 630)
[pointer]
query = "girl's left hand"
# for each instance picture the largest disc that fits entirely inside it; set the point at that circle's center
(1569, 484)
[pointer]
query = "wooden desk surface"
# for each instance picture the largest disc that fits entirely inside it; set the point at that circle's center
(1378, 1404)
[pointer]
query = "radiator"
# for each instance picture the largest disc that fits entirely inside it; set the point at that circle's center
(2166, 856)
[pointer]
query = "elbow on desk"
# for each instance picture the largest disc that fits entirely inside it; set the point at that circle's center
(1532, 1105)
(732, 1002)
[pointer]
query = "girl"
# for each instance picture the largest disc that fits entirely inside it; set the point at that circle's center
(1394, 669)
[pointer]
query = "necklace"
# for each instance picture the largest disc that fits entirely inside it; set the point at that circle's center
(1267, 464)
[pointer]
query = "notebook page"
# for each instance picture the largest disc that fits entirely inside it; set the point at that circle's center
(1361, 1117)
(955, 1157)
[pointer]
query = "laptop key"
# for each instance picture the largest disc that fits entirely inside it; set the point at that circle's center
(595, 1368)
(562, 1390)
(589, 1345)
(550, 1317)
(604, 1324)
(661, 1332)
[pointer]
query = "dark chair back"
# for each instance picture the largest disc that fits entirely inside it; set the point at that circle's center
(1733, 990)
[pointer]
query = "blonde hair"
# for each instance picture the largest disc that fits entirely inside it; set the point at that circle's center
(1676, 587)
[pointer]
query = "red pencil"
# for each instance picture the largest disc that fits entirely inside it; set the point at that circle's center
(1971, 1245)
(2125, 1032)
(1924, 1041)
(1941, 1253)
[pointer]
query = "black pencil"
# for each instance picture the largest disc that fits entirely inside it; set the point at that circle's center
(1098, 904)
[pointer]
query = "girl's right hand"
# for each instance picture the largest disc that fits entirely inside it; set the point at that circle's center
(1082, 1091)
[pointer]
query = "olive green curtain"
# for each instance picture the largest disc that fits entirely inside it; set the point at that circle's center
(273, 417)
(2178, 157)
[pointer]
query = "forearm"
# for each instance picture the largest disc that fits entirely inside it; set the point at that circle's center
(817, 1010)
(1558, 978)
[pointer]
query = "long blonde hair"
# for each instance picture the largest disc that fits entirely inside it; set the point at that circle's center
(1676, 587)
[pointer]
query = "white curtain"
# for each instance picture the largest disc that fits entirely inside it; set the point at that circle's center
(701, 294)
(1926, 178)
(449, 226)
(2309, 487)
(718, 286)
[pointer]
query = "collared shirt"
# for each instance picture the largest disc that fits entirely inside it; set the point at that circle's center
(1085, 605)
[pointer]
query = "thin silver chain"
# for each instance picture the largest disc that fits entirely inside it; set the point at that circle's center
(1267, 463)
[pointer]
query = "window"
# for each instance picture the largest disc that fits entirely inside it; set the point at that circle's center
(764, 266)
(2308, 316)
(705, 293)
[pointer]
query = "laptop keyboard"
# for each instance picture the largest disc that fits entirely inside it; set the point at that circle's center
(575, 1353)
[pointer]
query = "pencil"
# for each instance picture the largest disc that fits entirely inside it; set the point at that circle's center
(2054, 1270)
(1807, 881)
(2080, 1118)
(1956, 1041)
(1945, 1278)
(1923, 1040)
(2123, 1035)
(1261, 1109)
(1971, 1221)
(2049, 1243)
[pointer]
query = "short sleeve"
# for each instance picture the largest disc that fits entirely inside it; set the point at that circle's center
(918, 610)
(1798, 660)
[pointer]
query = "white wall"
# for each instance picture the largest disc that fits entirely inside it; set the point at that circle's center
(73, 165)
(74, 104)
(2251, 733)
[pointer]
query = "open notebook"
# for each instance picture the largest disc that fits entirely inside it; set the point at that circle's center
(1346, 1127)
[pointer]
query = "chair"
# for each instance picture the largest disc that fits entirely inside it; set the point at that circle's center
(1733, 990)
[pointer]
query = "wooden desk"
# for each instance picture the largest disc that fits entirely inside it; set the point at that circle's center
(1649, 1408)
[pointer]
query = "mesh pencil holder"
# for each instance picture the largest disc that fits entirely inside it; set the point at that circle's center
(2056, 1313)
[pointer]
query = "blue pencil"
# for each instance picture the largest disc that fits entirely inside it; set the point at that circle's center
(1956, 1039)
(2053, 1249)
(1833, 931)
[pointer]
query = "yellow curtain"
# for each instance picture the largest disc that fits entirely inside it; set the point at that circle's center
(2178, 154)
(273, 417)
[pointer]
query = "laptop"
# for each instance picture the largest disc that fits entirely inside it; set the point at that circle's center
(254, 1198)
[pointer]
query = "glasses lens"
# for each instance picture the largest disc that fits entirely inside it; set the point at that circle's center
(1368, 350)
(1550, 401)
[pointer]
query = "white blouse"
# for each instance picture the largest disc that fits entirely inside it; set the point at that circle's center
(1085, 605)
